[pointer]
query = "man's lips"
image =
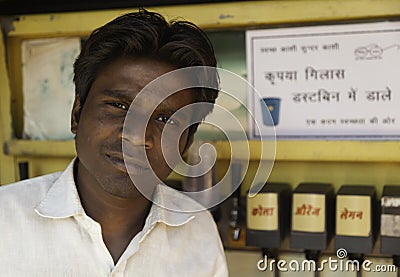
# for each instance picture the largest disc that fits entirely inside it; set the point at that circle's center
(117, 162)
(132, 166)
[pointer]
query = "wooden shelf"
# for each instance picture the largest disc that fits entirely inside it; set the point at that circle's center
(319, 150)
(246, 14)
(40, 148)
(286, 150)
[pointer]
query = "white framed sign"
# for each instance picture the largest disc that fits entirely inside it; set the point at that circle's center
(334, 81)
(48, 87)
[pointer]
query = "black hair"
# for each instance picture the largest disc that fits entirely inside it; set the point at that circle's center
(146, 34)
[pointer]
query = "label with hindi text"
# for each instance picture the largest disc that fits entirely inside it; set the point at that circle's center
(262, 212)
(336, 81)
(353, 215)
(308, 212)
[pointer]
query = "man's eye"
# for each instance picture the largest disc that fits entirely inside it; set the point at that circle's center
(166, 120)
(119, 105)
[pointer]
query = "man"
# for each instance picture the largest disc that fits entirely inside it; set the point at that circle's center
(91, 219)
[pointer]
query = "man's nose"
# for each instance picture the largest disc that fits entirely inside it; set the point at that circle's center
(138, 136)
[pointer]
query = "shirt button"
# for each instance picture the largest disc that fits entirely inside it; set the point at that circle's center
(117, 274)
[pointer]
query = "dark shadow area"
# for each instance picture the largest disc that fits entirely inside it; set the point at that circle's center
(10, 7)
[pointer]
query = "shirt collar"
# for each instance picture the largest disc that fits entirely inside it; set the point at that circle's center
(62, 201)
(178, 204)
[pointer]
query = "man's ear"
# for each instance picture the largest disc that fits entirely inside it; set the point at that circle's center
(76, 112)
(189, 142)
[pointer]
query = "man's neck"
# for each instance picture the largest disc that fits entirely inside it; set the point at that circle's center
(120, 218)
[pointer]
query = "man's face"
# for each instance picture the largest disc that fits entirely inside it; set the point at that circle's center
(99, 126)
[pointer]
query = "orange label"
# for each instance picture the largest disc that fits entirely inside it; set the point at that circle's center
(308, 212)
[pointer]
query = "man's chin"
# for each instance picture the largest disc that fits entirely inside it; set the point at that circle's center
(120, 186)
(130, 192)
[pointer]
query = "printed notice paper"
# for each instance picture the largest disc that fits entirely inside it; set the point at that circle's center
(339, 81)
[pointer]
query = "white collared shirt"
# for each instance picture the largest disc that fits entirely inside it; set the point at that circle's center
(44, 231)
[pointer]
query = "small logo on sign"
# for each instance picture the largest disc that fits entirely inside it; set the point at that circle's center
(373, 51)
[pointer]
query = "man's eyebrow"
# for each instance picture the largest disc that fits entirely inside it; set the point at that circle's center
(128, 95)
(119, 93)
(165, 108)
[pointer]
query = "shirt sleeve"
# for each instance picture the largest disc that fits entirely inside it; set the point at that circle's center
(221, 268)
